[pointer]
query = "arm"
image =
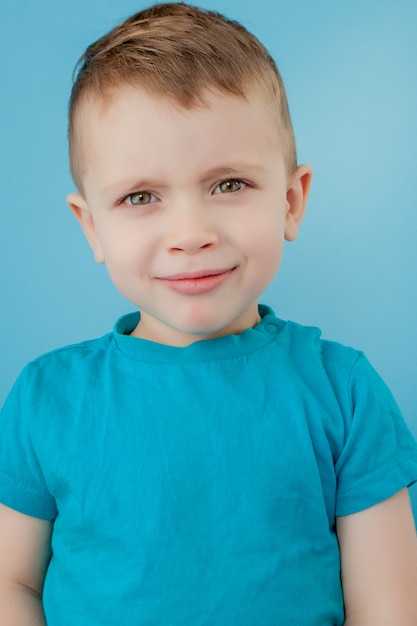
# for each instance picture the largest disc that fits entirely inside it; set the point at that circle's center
(24, 557)
(378, 549)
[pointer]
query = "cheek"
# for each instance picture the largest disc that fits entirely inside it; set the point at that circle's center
(263, 256)
(270, 256)
(121, 243)
(264, 240)
(123, 254)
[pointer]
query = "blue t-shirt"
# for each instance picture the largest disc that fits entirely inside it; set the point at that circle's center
(199, 486)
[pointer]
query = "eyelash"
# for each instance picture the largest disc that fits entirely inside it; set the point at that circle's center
(128, 199)
(228, 182)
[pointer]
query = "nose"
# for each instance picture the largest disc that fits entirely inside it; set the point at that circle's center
(192, 229)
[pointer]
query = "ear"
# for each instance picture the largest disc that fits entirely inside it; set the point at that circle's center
(297, 194)
(80, 209)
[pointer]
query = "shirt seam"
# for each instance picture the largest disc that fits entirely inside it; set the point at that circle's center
(12, 480)
(377, 473)
(200, 357)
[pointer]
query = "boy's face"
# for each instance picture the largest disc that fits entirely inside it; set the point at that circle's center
(187, 208)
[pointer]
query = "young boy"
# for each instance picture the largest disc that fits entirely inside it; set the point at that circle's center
(206, 463)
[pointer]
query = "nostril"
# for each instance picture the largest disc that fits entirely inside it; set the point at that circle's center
(191, 249)
(192, 243)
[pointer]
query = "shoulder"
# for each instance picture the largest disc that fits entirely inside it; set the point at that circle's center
(62, 366)
(306, 346)
(88, 349)
(330, 369)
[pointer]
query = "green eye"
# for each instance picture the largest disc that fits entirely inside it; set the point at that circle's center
(231, 185)
(140, 198)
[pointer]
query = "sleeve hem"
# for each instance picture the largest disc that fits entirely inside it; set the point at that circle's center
(380, 485)
(25, 499)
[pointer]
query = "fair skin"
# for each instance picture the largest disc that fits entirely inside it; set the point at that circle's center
(379, 564)
(189, 211)
(24, 556)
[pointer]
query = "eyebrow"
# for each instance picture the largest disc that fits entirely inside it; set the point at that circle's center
(237, 169)
(126, 186)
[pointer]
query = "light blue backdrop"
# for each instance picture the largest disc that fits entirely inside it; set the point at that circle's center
(351, 73)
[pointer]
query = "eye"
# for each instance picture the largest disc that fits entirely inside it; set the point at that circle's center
(140, 198)
(230, 185)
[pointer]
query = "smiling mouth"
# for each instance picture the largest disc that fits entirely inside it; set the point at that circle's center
(195, 283)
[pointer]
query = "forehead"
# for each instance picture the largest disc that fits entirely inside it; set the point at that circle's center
(127, 102)
(132, 123)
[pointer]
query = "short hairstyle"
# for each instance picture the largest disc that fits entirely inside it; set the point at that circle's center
(178, 51)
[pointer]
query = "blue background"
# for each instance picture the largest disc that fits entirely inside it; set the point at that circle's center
(351, 74)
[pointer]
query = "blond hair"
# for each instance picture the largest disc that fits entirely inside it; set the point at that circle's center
(178, 51)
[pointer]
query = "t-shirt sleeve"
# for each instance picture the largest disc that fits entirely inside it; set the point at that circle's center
(379, 456)
(22, 482)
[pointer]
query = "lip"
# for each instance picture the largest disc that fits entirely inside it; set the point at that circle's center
(195, 283)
